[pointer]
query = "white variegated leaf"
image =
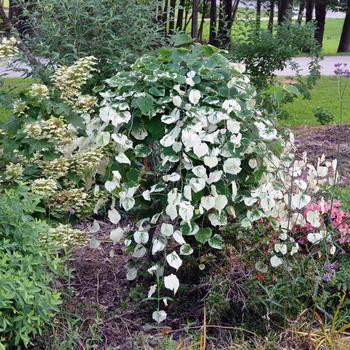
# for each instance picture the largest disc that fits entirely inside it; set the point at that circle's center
(116, 235)
(167, 229)
(276, 261)
(159, 316)
(114, 216)
(171, 282)
(141, 237)
(194, 96)
(174, 260)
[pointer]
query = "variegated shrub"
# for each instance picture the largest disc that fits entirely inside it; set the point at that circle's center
(192, 153)
(178, 146)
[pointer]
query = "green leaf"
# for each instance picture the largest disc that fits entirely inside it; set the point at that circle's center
(182, 38)
(216, 242)
(203, 234)
(98, 88)
(188, 230)
(208, 50)
(155, 128)
(157, 92)
(142, 151)
(75, 120)
(145, 104)
(277, 93)
(133, 175)
(186, 249)
(292, 89)
(164, 53)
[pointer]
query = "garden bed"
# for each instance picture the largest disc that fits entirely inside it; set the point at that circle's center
(320, 140)
(111, 312)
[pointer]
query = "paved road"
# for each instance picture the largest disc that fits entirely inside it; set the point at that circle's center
(327, 67)
(13, 73)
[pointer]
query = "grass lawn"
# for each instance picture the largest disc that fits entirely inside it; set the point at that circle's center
(13, 86)
(332, 34)
(324, 95)
(343, 194)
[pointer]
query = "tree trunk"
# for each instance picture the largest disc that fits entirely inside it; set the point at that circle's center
(301, 11)
(234, 11)
(200, 34)
(180, 15)
(188, 16)
(186, 13)
(320, 11)
(188, 22)
(283, 8)
(12, 10)
(212, 26)
(225, 22)
(344, 42)
(195, 8)
(309, 10)
(165, 17)
(8, 28)
(258, 15)
(17, 17)
(271, 14)
(172, 16)
(160, 12)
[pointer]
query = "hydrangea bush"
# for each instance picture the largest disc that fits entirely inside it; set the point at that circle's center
(44, 143)
(8, 47)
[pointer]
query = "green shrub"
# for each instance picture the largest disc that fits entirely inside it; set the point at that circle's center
(323, 117)
(264, 52)
(190, 144)
(115, 32)
(27, 271)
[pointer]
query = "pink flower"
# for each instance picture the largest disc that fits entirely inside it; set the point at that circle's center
(340, 220)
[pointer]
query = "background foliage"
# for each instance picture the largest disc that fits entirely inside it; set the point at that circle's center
(115, 32)
(27, 270)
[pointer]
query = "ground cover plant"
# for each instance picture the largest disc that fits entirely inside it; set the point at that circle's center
(28, 270)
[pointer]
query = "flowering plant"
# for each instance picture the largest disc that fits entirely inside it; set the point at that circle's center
(328, 216)
(43, 143)
(8, 47)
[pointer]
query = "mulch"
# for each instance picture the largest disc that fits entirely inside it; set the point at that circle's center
(101, 296)
(331, 140)
(100, 287)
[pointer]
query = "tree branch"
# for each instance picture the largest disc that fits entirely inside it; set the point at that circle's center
(8, 26)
